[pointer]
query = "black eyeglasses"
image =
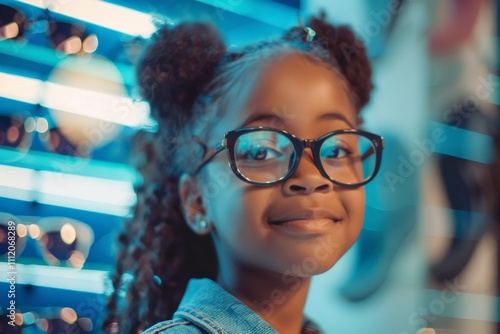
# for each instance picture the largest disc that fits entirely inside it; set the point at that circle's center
(59, 239)
(266, 156)
(70, 38)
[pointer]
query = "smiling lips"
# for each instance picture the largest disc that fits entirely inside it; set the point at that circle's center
(304, 223)
(316, 216)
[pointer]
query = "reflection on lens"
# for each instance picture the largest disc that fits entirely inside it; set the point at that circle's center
(263, 156)
(348, 158)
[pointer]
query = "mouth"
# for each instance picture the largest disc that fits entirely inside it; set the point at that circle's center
(311, 221)
(304, 216)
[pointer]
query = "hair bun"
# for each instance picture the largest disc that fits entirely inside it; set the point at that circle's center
(350, 54)
(176, 67)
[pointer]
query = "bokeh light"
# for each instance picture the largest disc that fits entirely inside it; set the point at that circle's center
(68, 233)
(29, 318)
(42, 324)
(30, 124)
(12, 134)
(72, 45)
(42, 125)
(34, 231)
(10, 30)
(18, 319)
(76, 260)
(90, 44)
(86, 324)
(21, 230)
(68, 314)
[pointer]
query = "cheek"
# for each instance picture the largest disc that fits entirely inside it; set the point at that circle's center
(237, 210)
(354, 203)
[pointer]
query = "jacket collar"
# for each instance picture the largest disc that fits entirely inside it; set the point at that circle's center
(209, 306)
(206, 304)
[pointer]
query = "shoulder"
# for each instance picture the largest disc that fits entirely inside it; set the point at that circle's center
(178, 326)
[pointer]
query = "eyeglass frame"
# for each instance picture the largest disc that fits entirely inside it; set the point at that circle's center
(47, 225)
(299, 144)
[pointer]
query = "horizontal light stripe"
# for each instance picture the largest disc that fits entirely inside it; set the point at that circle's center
(272, 13)
(111, 108)
(67, 190)
(105, 14)
(49, 57)
(66, 278)
(462, 143)
(461, 305)
(20, 88)
(47, 161)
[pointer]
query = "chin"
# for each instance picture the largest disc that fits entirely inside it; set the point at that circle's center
(309, 266)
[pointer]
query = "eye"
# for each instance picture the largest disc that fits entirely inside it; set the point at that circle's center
(260, 153)
(334, 151)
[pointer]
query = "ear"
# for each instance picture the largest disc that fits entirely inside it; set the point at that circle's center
(192, 205)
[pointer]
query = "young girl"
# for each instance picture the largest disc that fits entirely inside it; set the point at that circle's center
(252, 184)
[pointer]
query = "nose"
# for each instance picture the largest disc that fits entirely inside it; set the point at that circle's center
(307, 178)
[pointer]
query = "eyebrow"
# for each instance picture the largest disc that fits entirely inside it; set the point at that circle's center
(335, 115)
(263, 115)
(266, 115)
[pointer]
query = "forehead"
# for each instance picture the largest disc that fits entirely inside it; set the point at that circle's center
(295, 92)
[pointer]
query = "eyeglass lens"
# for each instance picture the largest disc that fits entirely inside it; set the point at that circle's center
(61, 245)
(64, 241)
(4, 240)
(266, 156)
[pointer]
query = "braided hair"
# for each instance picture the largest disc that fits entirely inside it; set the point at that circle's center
(185, 75)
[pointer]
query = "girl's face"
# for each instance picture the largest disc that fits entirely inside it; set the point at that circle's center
(307, 100)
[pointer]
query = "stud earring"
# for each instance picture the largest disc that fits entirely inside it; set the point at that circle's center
(203, 224)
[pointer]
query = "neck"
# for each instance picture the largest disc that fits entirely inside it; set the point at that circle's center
(278, 298)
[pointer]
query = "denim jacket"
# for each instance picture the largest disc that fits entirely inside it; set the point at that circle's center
(207, 308)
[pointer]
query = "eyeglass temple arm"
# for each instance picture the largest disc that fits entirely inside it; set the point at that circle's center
(367, 154)
(210, 155)
(370, 152)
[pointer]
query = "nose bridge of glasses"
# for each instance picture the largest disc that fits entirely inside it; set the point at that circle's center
(309, 143)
